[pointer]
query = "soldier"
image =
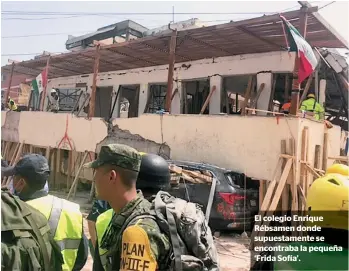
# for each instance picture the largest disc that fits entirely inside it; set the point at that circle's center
(139, 237)
(65, 219)
(25, 240)
(117, 168)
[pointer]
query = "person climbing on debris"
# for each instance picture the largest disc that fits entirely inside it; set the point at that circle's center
(130, 233)
(312, 107)
(64, 218)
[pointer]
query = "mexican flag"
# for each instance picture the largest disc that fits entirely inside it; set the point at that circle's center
(39, 83)
(306, 56)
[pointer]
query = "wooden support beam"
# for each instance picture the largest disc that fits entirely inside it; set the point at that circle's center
(324, 150)
(9, 83)
(45, 82)
(76, 179)
(304, 150)
(207, 100)
(172, 59)
(306, 89)
(91, 112)
(317, 160)
(255, 99)
(285, 191)
(246, 96)
(295, 83)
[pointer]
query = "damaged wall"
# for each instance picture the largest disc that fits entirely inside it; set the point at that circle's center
(248, 144)
(117, 135)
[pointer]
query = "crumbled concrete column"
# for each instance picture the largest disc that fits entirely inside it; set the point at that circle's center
(215, 102)
(264, 98)
(143, 98)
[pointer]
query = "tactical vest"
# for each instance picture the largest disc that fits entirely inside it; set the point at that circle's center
(12, 107)
(102, 223)
(66, 223)
(315, 260)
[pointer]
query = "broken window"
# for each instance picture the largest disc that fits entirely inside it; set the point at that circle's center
(234, 92)
(128, 101)
(156, 99)
(194, 96)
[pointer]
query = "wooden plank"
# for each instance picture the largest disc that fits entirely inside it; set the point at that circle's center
(70, 168)
(317, 160)
(277, 194)
(306, 89)
(284, 197)
(303, 171)
(76, 179)
(247, 95)
(272, 93)
(324, 150)
(293, 184)
(91, 112)
(207, 100)
(255, 99)
(31, 148)
(14, 154)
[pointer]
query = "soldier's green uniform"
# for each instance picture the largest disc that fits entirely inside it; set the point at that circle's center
(125, 243)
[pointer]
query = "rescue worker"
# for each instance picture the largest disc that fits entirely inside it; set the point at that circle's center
(65, 219)
(312, 107)
(11, 104)
(286, 107)
(53, 101)
(116, 171)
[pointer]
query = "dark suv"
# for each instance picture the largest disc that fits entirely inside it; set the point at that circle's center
(233, 207)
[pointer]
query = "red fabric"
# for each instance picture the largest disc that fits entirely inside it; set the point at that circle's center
(304, 69)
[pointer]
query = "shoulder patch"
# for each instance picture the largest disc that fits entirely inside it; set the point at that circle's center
(136, 252)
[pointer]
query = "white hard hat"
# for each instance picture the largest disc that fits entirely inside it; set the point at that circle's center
(53, 90)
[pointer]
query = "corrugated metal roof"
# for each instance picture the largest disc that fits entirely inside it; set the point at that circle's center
(257, 35)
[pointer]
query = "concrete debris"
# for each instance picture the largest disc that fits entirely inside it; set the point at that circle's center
(197, 176)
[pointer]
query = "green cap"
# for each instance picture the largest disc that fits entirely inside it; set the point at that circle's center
(118, 155)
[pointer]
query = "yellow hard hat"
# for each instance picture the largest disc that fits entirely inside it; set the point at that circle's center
(311, 95)
(338, 168)
(328, 196)
(142, 153)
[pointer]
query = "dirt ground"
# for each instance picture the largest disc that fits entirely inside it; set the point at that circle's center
(232, 248)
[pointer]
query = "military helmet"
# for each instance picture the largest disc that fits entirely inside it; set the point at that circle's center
(154, 172)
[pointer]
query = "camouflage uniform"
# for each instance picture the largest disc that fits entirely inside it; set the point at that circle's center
(112, 240)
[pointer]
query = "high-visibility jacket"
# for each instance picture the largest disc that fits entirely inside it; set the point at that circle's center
(66, 223)
(102, 223)
(311, 105)
(10, 106)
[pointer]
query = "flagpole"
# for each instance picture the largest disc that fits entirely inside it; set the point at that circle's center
(43, 96)
(9, 85)
(295, 81)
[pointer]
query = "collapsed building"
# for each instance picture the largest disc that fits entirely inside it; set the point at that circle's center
(117, 91)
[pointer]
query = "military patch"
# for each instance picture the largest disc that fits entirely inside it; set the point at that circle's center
(136, 251)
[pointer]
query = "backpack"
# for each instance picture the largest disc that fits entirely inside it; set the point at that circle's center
(191, 237)
(25, 237)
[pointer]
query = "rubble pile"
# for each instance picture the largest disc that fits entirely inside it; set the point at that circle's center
(179, 174)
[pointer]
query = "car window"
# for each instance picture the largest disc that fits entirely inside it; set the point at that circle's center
(233, 179)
